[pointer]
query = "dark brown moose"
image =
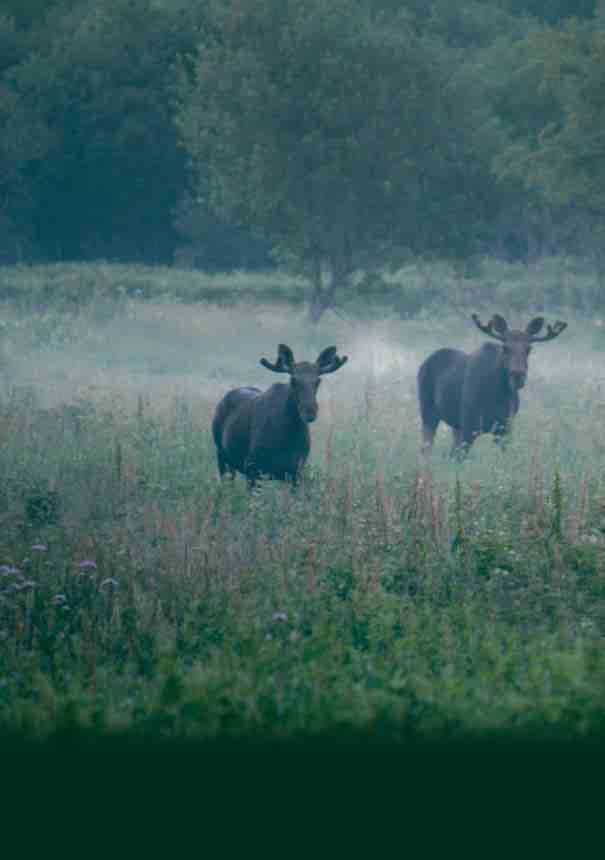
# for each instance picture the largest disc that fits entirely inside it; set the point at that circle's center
(478, 393)
(266, 432)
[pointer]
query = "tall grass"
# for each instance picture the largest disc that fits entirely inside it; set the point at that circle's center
(138, 592)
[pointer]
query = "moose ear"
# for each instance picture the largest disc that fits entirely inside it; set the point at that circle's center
(534, 326)
(499, 324)
(285, 357)
(328, 360)
(285, 360)
(326, 356)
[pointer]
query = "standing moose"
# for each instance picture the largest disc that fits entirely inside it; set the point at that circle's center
(266, 433)
(478, 393)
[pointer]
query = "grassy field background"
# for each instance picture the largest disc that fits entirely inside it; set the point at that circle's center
(139, 594)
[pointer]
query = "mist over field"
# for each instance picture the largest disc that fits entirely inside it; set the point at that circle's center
(165, 351)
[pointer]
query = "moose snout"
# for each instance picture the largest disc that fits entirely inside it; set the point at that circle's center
(308, 414)
(517, 379)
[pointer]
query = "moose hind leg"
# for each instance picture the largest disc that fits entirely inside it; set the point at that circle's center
(252, 473)
(296, 478)
(429, 428)
(460, 447)
(502, 435)
(429, 414)
(224, 468)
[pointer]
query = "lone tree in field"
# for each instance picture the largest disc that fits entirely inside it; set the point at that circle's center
(340, 139)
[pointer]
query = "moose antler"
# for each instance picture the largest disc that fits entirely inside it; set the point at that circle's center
(328, 361)
(552, 331)
(285, 360)
(497, 321)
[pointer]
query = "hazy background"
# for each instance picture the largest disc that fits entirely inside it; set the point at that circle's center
(167, 350)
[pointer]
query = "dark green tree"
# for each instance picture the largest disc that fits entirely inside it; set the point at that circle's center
(560, 151)
(550, 11)
(24, 141)
(27, 13)
(340, 138)
(98, 78)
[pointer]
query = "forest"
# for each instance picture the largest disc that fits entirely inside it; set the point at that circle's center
(333, 137)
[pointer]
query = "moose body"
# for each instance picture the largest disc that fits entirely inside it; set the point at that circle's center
(478, 393)
(267, 432)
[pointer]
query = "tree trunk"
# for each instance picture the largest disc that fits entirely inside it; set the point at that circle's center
(321, 301)
(322, 297)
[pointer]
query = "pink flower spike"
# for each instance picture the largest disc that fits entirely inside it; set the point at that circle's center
(87, 563)
(40, 547)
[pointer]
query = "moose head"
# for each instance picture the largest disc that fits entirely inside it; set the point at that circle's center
(516, 344)
(305, 376)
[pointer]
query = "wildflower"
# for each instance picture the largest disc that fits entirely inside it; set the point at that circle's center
(88, 564)
(9, 570)
(40, 547)
(109, 581)
(279, 616)
(23, 584)
(59, 599)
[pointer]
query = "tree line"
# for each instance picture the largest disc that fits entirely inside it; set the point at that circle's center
(332, 136)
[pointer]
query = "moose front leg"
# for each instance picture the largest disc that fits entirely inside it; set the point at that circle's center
(466, 435)
(224, 467)
(459, 446)
(502, 433)
(429, 429)
(297, 477)
(252, 473)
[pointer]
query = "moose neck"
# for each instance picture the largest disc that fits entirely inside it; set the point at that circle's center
(504, 383)
(502, 371)
(292, 418)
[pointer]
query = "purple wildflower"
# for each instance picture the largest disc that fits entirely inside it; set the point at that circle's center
(88, 564)
(27, 583)
(40, 547)
(22, 584)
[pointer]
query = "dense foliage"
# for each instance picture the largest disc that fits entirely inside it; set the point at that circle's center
(435, 128)
(294, 119)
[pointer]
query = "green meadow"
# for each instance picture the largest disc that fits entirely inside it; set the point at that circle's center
(140, 594)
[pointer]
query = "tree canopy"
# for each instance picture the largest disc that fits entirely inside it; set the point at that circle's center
(332, 135)
(341, 134)
(557, 142)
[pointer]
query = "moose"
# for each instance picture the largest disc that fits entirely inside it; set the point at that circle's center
(267, 433)
(478, 393)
